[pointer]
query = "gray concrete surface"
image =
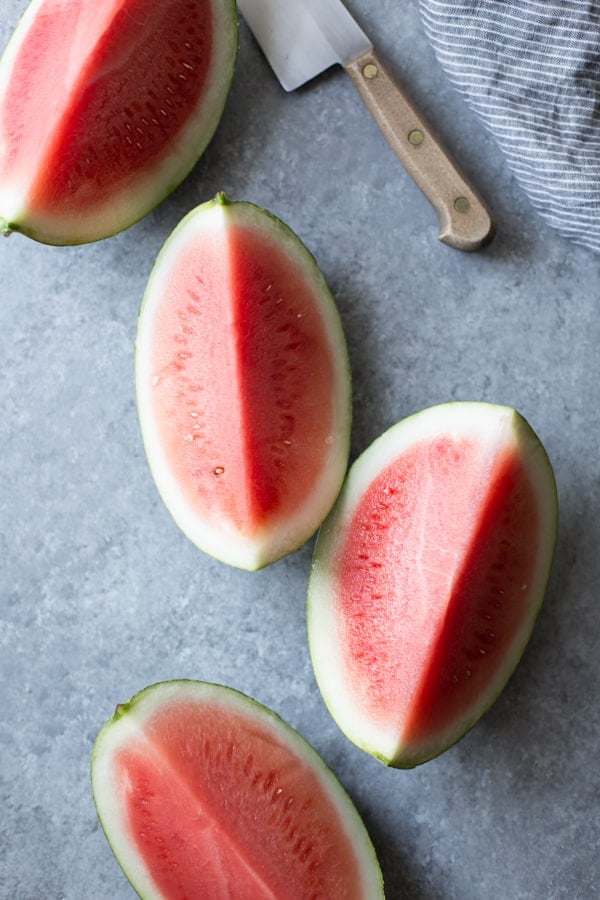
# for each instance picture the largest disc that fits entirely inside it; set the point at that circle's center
(100, 594)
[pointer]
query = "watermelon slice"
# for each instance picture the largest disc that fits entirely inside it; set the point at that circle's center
(105, 106)
(204, 793)
(428, 576)
(243, 384)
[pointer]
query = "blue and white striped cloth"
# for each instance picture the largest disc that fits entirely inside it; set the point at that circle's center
(531, 70)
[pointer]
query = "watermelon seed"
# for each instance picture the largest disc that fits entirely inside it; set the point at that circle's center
(269, 781)
(218, 470)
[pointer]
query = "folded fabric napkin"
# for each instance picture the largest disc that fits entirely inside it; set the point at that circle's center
(531, 70)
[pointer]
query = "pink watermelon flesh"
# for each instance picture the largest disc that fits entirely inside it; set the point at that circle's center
(257, 417)
(407, 666)
(86, 159)
(98, 105)
(194, 826)
(428, 575)
(243, 384)
(210, 795)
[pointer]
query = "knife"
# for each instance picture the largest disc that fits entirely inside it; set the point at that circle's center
(302, 38)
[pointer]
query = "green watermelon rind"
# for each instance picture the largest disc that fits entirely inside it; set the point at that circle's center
(128, 721)
(320, 620)
(284, 537)
(124, 209)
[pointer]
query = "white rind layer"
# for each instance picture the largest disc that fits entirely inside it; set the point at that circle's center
(499, 427)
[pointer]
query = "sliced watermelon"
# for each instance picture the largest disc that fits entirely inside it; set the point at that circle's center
(243, 384)
(204, 793)
(105, 106)
(428, 576)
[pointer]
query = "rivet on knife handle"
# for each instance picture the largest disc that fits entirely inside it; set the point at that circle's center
(465, 223)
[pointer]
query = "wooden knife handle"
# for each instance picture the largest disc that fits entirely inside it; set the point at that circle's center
(465, 223)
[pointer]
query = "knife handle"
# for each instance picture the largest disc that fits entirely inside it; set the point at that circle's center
(465, 223)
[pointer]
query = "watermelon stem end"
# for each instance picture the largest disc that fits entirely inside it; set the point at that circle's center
(121, 709)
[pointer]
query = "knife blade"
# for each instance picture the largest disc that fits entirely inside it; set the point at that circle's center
(303, 38)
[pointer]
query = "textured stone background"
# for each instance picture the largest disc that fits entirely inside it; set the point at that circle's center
(100, 594)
